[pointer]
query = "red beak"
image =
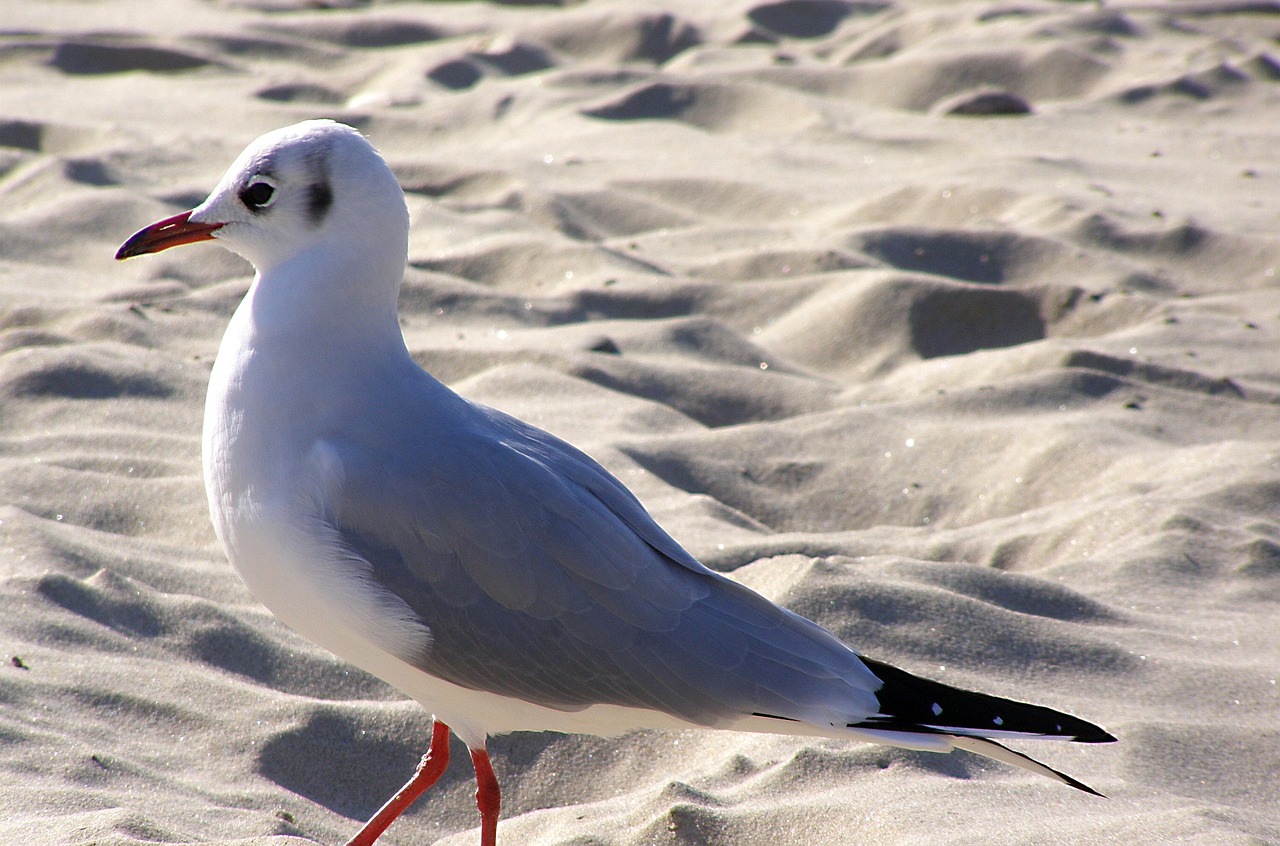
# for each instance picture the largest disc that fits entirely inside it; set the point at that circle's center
(164, 234)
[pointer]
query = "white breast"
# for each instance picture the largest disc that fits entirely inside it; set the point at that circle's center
(269, 480)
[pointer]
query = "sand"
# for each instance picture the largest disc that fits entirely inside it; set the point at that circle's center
(954, 326)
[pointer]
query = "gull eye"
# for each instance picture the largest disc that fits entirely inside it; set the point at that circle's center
(258, 194)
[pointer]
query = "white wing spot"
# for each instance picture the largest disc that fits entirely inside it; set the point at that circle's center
(998, 721)
(937, 709)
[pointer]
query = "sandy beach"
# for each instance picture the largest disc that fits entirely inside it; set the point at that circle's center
(953, 326)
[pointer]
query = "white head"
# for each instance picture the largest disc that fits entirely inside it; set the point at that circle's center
(314, 187)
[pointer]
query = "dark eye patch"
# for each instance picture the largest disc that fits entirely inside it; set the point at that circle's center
(256, 195)
(319, 199)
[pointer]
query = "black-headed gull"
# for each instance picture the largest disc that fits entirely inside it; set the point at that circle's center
(489, 570)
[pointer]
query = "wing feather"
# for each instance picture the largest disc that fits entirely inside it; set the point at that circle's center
(542, 577)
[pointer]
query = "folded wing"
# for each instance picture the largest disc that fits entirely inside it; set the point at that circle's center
(542, 578)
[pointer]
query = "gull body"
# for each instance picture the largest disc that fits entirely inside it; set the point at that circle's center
(485, 568)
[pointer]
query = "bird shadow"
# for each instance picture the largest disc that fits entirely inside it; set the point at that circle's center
(350, 765)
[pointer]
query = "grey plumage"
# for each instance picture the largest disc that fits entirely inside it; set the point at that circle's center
(541, 577)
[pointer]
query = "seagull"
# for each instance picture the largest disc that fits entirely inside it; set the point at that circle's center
(487, 569)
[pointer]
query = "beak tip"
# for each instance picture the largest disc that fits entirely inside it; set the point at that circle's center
(164, 234)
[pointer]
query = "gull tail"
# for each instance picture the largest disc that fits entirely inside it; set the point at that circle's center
(969, 720)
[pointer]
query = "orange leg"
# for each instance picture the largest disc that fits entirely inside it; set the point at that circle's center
(488, 798)
(429, 769)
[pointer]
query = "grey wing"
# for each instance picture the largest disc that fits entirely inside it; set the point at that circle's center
(541, 577)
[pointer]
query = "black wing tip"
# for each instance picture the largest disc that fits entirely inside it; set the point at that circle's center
(909, 702)
(1080, 785)
(1098, 735)
(1068, 780)
(998, 751)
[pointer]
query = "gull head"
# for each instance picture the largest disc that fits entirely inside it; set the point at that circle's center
(314, 186)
